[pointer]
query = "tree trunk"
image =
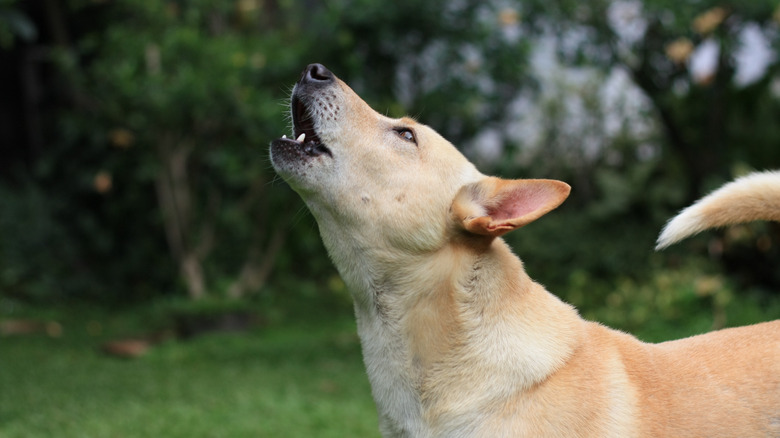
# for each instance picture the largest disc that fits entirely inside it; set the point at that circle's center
(257, 267)
(174, 196)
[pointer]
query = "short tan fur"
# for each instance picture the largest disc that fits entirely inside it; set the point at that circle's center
(457, 339)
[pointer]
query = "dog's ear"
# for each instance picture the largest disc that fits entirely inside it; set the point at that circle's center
(494, 206)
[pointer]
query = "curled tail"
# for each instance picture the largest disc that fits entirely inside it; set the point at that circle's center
(750, 198)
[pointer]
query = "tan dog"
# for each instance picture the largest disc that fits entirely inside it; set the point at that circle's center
(457, 340)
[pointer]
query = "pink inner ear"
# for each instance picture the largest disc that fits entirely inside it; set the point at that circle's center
(519, 203)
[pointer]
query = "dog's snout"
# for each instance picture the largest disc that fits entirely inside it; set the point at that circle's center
(317, 74)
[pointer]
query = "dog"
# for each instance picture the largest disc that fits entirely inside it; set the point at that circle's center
(457, 340)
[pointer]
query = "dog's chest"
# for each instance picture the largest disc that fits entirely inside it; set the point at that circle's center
(390, 372)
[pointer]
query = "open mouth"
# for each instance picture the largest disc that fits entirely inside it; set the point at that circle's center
(303, 129)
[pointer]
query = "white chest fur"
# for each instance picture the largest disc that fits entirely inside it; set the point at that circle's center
(388, 365)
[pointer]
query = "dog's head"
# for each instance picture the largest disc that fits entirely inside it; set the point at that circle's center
(389, 183)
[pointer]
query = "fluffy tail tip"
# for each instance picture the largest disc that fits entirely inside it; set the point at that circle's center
(686, 224)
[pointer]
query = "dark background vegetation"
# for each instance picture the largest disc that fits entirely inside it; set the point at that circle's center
(134, 168)
(134, 135)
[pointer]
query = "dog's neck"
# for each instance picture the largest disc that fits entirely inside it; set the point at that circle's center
(423, 318)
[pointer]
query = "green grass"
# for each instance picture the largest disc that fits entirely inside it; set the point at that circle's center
(299, 376)
(282, 381)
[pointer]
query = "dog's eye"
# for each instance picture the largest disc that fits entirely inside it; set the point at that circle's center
(406, 134)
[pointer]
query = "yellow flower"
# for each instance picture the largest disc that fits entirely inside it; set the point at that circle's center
(679, 50)
(102, 182)
(121, 138)
(709, 20)
(508, 17)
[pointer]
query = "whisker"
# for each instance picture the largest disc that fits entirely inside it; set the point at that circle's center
(298, 216)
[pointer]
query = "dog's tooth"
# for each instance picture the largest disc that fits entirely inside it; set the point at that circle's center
(284, 136)
(301, 137)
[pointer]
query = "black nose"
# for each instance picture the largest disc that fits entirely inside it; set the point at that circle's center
(316, 74)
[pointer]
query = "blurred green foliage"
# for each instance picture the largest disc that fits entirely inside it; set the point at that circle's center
(155, 180)
(14, 24)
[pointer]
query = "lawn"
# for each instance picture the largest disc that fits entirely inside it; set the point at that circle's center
(290, 381)
(300, 376)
